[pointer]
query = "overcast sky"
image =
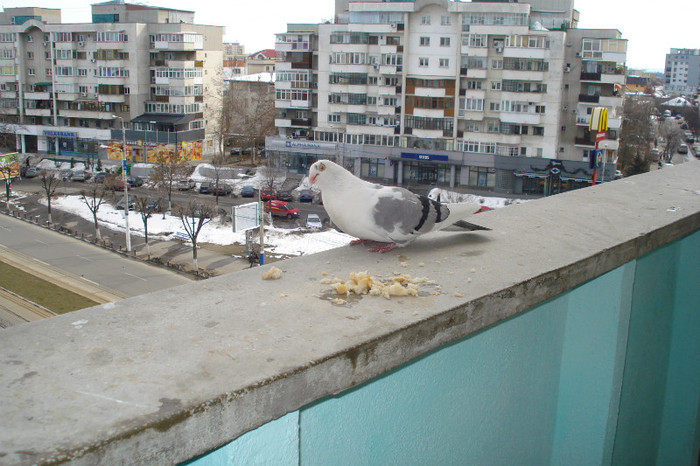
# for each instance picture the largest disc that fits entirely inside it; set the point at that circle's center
(651, 28)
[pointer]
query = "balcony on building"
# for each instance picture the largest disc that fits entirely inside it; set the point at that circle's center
(567, 332)
(178, 42)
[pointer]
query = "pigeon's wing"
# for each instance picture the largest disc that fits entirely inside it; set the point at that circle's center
(404, 215)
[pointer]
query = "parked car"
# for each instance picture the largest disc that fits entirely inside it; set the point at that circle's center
(483, 208)
(313, 221)
(284, 196)
(222, 190)
(183, 185)
(267, 194)
(118, 185)
(31, 172)
(205, 188)
(134, 181)
(247, 191)
(306, 196)
(120, 204)
(80, 175)
(697, 151)
(235, 151)
(618, 174)
(65, 174)
(683, 149)
(100, 177)
(153, 205)
(281, 209)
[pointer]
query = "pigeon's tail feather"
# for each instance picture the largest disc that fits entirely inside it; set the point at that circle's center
(469, 226)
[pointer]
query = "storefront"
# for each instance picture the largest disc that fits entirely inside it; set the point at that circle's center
(429, 169)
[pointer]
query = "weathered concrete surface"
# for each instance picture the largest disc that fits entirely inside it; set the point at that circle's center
(164, 377)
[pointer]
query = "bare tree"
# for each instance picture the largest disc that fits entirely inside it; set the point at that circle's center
(49, 182)
(142, 204)
(170, 172)
(251, 109)
(636, 136)
(217, 163)
(194, 216)
(93, 198)
(672, 134)
(8, 164)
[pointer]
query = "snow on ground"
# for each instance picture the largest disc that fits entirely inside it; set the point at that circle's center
(491, 202)
(278, 240)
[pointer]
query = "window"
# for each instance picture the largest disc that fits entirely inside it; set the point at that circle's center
(30, 55)
(538, 130)
(473, 84)
(31, 72)
(424, 41)
(371, 100)
(334, 118)
(497, 64)
(444, 62)
(539, 108)
(444, 42)
(425, 20)
(423, 61)
(495, 106)
(495, 85)
(31, 39)
(445, 20)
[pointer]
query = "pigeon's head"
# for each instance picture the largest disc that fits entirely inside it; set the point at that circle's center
(321, 173)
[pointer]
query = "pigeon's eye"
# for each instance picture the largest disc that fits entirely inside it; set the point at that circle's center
(321, 167)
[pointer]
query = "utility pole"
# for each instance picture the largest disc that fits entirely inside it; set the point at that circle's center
(126, 186)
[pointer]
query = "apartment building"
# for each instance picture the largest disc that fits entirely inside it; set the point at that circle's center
(488, 95)
(682, 71)
(66, 88)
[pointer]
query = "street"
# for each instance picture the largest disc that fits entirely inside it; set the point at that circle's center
(106, 269)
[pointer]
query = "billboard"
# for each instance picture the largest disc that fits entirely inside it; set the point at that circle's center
(186, 151)
(246, 217)
(9, 165)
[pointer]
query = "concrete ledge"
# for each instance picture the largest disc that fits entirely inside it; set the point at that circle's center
(165, 377)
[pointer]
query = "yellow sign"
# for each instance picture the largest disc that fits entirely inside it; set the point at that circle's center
(599, 120)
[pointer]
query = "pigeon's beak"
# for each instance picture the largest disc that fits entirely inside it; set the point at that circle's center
(313, 178)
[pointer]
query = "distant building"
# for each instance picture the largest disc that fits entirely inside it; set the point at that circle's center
(488, 95)
(68, 87)
(234, 59)
(682, 72)
(261, 62)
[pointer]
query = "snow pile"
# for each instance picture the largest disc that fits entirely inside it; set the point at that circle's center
(491, 202)
(278, 240)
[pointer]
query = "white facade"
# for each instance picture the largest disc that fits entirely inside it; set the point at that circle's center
(63, 84)
(487, 79)
(682, 71)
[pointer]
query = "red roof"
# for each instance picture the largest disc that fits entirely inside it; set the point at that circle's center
(268, 54)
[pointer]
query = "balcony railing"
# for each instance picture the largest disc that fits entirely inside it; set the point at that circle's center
(591, 99)
(520, 347)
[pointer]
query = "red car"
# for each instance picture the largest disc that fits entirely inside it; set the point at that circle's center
(118, 185)
(281, 209)
(267, 194)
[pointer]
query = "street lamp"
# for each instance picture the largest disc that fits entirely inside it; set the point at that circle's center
(126, 186)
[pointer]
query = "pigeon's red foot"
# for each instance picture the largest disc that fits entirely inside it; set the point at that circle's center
(355, 242)
(383, 248)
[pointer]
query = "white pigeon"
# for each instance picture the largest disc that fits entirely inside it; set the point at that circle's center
(384, 214)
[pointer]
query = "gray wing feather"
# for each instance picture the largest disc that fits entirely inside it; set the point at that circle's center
(410, 214)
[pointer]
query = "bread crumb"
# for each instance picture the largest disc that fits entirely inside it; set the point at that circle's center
(339, 301)
(469, 280)
(324, 273)
(473, 270)
(458, 295)
(422, 264)
(404, 264)
(326, 281)
(273, 273)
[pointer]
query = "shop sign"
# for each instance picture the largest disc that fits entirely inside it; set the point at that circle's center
(425, 157)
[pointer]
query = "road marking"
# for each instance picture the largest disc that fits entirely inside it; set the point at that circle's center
(132, 275)
(90, 281)
(5, 228)
(42, 242)
(42, 262)
(83, 258)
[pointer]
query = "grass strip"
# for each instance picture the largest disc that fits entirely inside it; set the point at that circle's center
(40, 291)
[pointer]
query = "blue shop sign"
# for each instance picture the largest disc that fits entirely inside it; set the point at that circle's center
(60, 134)
(425, 157)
